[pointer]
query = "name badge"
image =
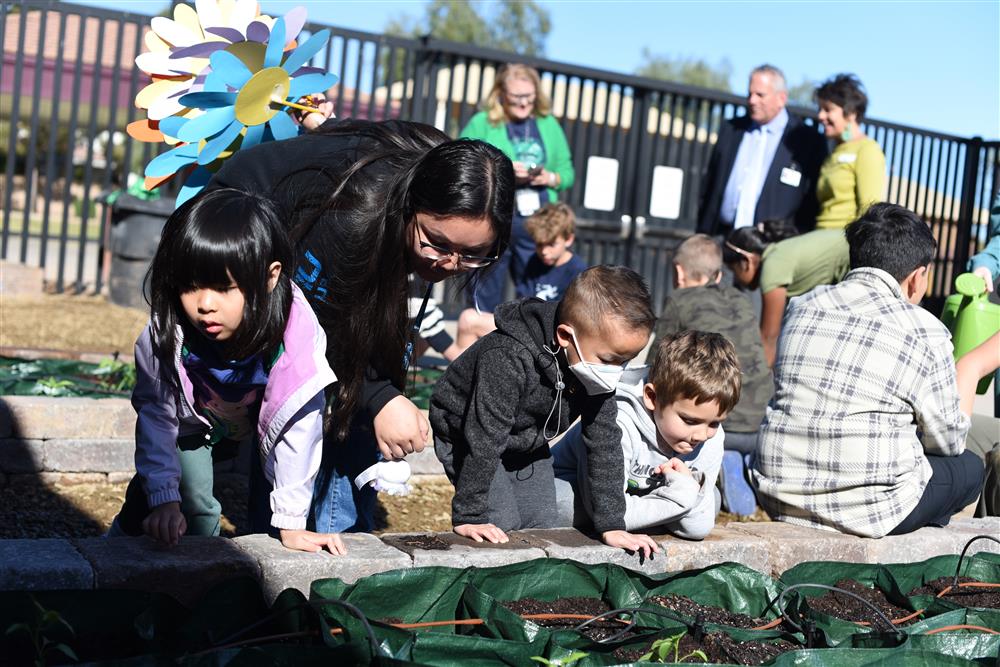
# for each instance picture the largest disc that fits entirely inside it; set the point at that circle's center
(791, 177)
(847, 158)
(528, 201)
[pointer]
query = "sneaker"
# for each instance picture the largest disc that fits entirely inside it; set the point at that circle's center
(737, 495)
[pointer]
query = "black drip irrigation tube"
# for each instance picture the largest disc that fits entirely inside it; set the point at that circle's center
(808, 627)
(961, 558)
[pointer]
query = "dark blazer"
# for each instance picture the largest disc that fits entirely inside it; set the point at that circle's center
(802, 148)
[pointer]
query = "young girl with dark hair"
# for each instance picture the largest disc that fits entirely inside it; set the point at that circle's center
(368, 204)
(232, 355)
(771, 255)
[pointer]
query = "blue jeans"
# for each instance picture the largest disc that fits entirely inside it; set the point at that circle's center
(488, 289)
(337, 505)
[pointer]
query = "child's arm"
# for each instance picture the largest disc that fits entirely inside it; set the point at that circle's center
(156, 460)
(772, 311)
(978, 362)
(602, 437)
(699, 520)
(492, 402)
(297, 454)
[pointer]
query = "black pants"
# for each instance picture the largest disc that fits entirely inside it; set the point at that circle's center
(956, 482)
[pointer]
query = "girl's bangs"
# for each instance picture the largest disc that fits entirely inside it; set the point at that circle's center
(204, 259)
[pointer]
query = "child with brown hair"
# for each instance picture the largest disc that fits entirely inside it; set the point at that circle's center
(499, 404)
(670, 415)
(547, 274)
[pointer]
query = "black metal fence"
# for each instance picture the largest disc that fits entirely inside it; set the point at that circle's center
(640, 146)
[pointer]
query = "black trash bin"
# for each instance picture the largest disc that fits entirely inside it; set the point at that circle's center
(136, 225)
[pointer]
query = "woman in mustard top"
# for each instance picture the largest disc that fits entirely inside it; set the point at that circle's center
(853, 175)
(516, 118)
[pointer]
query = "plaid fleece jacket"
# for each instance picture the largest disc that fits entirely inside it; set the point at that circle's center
(865, 386)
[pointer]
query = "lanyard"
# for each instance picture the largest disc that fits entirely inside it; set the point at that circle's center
(415, 329)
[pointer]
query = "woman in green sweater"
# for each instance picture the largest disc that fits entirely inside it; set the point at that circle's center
(516, 119)
(853, 175)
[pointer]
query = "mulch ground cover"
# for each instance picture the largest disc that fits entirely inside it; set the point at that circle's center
(718, 647)
(847, 608)
(707, 614)
(966, 596)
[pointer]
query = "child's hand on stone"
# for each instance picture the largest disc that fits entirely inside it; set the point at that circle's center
(482, 531)
(631, 541)
(306, 540)
(165, 523)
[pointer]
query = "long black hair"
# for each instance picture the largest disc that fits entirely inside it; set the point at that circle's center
(406, 169)
(216, 238)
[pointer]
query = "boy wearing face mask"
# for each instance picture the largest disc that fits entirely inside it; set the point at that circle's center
(499, 404)
(670, 415)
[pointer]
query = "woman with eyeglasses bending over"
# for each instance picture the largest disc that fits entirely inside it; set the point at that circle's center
(516, 118)
(367, 204)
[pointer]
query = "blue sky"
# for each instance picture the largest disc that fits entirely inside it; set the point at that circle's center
(933, 65)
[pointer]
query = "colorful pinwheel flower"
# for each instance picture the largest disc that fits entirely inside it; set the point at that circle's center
(242, 99)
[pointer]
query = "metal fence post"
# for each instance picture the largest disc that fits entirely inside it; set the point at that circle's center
(967, 206)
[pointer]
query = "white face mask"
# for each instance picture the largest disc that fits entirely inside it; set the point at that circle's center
(596, 378)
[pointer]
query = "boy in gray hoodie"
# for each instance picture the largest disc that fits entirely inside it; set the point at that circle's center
(670, 415)
(499, 404)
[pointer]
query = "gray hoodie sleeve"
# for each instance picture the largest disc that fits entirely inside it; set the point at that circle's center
(602, 438)
(492, 408)
(156, 427)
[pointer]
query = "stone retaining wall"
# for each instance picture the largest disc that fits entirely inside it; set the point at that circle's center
(198, 563)
(69, 440)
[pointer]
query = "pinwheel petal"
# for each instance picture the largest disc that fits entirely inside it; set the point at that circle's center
(231, 35)
(310, 83)
(203, 50)
(172, 161)
(208, 99)
(171, 125)
(258, 32)
(230, 69)
(173, 33)
(254, 135)
(207, 124)
(283, 127)
(294, 21)
(220, 143)
(301, 55)
(193, 184)
(275, 45)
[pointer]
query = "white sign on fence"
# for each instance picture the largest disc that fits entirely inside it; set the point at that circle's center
(601, 189)
(665, 199)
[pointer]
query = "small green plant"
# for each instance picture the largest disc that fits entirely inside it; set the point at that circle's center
(116, 375)
(662, 649)
(51, 386)
(48, 632)
(560, 662)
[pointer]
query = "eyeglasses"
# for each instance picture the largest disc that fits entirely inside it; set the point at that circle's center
(436, 253)
(527, 98)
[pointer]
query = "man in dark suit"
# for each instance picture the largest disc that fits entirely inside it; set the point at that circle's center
(764, 165)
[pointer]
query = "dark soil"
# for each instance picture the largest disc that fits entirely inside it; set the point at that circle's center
(967, 596)
(707, 614)
(592, 607)
(720, 648)
(849, 609)
(429, 542)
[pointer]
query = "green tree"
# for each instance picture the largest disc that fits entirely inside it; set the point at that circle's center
(690, 71)
(802, 93)
(510, 25)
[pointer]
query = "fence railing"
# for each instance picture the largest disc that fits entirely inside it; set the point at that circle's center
(68, 80)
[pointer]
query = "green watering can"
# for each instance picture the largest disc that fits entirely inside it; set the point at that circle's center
(971, 318)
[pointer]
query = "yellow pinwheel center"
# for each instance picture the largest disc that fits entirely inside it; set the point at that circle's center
(254, 102)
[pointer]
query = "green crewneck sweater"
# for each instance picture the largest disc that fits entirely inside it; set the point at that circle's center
(851, 179)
